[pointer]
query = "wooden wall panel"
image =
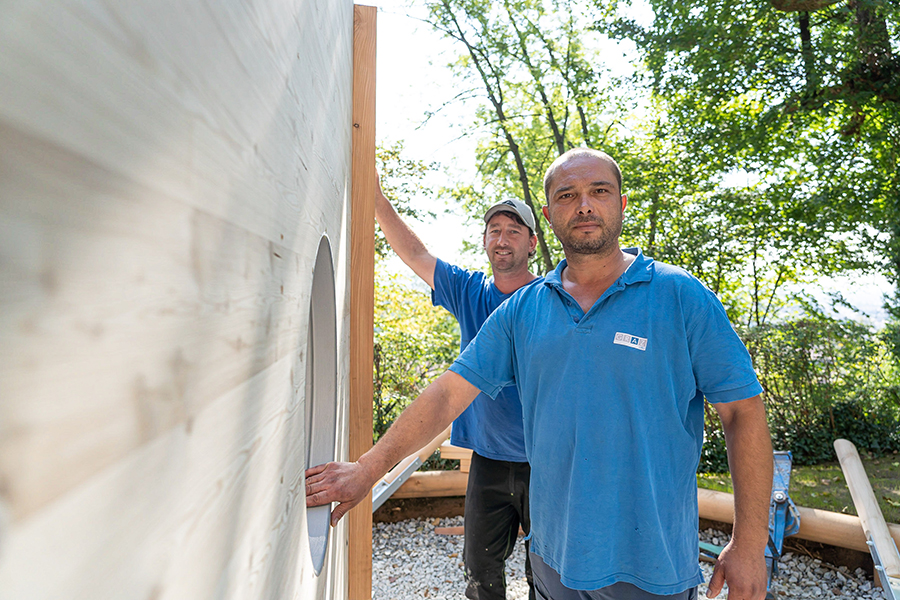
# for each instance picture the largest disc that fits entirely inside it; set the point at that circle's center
(167, 170)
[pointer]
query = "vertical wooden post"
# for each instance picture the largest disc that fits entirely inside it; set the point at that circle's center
(362, 287)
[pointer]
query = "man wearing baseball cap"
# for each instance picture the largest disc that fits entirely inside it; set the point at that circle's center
(497, 493)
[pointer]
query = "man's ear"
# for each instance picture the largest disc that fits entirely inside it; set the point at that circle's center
(624, 201)
(533, 244)
(546, 211)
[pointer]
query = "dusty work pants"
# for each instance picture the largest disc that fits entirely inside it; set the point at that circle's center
(496, 505)
(549, 587)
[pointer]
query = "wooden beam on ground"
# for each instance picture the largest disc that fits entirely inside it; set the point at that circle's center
(822, 526)
(816, 525)
(432, 484)
(362, 288)
(463, 455)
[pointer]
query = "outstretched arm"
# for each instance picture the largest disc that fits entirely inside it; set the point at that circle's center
(428, 415)
(742, 563)
(403, 240)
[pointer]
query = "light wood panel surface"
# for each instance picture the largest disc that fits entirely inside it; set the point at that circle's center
(463, 455)
(362, 288)
(167, 170)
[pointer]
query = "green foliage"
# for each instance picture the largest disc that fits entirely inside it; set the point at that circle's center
(806, 104)
(543, 94)
(541, 73)
(822, 379)
(748, 245)
(403, 182)
(759, 150)
(414, 343)
(713, 456)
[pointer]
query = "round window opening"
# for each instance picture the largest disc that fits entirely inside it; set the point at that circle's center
(321, 390)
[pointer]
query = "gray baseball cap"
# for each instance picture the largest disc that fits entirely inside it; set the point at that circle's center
(513, 206)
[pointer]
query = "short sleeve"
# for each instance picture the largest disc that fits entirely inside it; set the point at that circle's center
(722, 366)
(488, 361)
(450, 284)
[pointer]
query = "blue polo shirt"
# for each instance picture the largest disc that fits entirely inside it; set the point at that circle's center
(613, 407)
(492, 428)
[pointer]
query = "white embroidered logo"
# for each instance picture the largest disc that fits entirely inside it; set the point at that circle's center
(632, 341)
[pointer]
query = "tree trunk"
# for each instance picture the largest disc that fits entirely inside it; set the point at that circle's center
(654, 217)
(496, 100)
(558, 137)
(806, 50)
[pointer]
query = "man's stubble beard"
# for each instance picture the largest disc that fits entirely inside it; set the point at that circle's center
(605, 243)
(514, 263)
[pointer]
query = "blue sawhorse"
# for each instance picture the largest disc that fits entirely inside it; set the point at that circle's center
(784, 519)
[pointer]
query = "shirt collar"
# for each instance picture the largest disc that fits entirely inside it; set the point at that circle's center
(641, 269)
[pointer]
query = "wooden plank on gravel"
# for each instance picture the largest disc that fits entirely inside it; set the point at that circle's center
(428, 484)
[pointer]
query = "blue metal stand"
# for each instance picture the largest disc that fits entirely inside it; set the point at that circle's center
(784, 519)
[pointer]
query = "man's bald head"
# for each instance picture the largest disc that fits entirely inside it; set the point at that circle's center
(578, 153)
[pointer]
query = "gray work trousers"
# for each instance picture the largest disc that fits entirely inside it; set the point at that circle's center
(548, 587)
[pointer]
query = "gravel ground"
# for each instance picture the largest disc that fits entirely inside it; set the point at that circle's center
(410, 561)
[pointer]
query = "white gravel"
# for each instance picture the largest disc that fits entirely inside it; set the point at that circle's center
(410, 561)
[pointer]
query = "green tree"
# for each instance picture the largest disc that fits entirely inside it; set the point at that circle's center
(804, 102)
(544, 92)
(414, 343)
(527, 59)
(745, 243)
(403, 181)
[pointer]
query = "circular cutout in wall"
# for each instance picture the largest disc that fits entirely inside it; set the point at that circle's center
(321, 391)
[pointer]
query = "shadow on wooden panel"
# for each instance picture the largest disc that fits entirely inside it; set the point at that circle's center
(321, 399)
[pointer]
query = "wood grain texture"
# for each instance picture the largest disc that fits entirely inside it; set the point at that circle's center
(362, 288)
(167, 170)
(816, 525)
(870, 517)
(430, 484)
(423, 454)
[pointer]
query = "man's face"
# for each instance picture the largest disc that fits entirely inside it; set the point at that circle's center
(585, 206)
(507, 243)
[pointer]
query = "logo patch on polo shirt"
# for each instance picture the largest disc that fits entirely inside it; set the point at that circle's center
(632, 341)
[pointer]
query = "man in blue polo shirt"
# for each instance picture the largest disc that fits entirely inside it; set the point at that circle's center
(497, 491)
(613, 355)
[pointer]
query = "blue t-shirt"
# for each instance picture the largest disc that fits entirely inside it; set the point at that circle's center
(492, 428)
(613, 406)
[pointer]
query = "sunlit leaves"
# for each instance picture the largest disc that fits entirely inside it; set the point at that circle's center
(414, 343)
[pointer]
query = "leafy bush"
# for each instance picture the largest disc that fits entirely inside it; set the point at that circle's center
(414, 343)
(822, 379)
(713, 457)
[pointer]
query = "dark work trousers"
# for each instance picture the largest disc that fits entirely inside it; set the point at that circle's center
(549, 587)
(496, 504)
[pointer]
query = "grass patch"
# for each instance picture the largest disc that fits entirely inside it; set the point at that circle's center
(823, 486)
